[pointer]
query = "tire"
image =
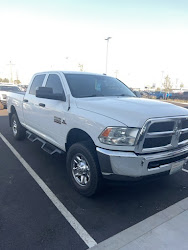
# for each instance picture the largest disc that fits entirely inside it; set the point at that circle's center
(18, 130)
(83, 168)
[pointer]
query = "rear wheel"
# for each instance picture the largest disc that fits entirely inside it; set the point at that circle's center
(17, 129)
(83, 168)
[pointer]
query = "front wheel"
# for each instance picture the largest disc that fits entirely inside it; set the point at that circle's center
(17, 129)
(83, 168)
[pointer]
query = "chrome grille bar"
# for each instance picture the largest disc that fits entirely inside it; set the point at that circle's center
(150, 140)
(159, 134)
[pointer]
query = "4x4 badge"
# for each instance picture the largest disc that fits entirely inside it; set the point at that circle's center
(64, 122)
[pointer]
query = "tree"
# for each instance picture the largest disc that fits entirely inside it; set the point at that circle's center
(17, 82)
(81, 66)
(5, 80)
(167, 84)
(1, 79)
(158, 89)
(181, 85)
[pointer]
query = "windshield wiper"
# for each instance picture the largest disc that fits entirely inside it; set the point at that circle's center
(125, 95)
(94, 95)
(122, 95)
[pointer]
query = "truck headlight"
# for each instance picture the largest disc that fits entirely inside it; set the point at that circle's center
(119, 136)
(4, 96)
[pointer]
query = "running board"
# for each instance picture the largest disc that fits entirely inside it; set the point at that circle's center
(46, 146)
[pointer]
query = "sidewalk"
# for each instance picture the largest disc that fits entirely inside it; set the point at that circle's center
(167, 229)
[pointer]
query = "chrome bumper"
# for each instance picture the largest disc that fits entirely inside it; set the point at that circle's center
(139, 165)
(4, 102)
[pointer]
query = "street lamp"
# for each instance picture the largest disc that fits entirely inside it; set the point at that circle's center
(107, 39)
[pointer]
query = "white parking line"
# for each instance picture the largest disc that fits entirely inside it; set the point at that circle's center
(90, 242)
(185, 170)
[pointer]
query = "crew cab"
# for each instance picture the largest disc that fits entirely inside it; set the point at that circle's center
(106, 131)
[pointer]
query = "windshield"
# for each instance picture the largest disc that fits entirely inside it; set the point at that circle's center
(9, 88)
(94, 85)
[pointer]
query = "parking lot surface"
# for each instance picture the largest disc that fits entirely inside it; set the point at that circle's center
(29, 220)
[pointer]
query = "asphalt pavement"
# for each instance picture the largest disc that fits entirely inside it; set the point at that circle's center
(29, 220)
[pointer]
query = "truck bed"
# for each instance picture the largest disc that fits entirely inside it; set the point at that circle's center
(16, 99)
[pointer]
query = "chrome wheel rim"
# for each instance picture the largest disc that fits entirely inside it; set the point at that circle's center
(14, 127)
(81, 170)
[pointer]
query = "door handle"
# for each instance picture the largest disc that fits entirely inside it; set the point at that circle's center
(25, 100)
(42, 105)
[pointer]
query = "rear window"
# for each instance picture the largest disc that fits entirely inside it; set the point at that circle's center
(9, 88)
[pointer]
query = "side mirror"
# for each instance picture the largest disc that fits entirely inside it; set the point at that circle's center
(45, 92)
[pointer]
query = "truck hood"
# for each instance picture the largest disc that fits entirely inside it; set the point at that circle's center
(130, 111)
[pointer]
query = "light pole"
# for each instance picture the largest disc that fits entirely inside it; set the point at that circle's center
(11, 64)
(162, 78)
(107, 39)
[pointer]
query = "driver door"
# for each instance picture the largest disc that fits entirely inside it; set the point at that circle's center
(54, 112)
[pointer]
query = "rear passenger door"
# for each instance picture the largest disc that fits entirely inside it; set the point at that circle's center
(54, 112)
(31, 113)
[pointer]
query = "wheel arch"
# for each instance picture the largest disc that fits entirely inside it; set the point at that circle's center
(77, 135)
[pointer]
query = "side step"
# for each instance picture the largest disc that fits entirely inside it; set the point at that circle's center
(46, 146)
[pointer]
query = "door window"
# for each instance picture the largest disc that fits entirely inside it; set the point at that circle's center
(37, 82)
(55, 83)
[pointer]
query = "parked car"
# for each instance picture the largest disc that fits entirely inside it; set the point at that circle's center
(137, 93)
(175, 96)
(4, 89)
(23, 87)
(183, 95)
(145, 94)
(106, 131)
(159, 94)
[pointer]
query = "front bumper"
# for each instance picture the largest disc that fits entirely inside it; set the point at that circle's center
(139, 165)
(4, 102)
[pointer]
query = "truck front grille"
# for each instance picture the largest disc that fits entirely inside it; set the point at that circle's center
(4, 102)
(183, 137)
(184, 123)
(157, 142)
(163, 134)
(161, 126)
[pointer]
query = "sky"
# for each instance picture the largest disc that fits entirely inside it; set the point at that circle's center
(149, 39)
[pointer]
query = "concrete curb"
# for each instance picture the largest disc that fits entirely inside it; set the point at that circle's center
(122, 239)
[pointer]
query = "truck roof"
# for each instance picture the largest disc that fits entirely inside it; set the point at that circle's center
(70, 72)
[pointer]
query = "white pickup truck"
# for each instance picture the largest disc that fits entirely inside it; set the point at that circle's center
(106, 131)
